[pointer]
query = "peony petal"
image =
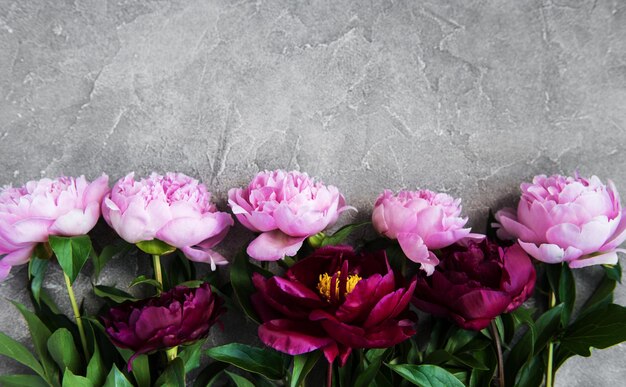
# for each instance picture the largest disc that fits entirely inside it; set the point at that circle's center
(619, 235)
(550, 253)
(302, 223)
(96, 190)
(588, 238)
(31, 230)
(205, 256)
(293, 337)
(183, 232)
(609, 258)
(274, 245)
(439, 240)
(415, 249)
(77, 222)
(518, 230)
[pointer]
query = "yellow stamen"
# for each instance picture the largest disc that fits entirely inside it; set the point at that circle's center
(325, 282)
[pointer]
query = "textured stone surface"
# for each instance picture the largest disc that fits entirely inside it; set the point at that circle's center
(466, 97)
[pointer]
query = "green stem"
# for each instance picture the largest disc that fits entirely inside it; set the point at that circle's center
(171, 353)
(549, 375)
(79, 321)
(156, 262)
(496, 338)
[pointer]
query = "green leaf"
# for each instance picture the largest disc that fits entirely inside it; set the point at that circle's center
(266, 362)
(142, 279)
(39, 334)
(547, 327)
(532, 374)
(71, 253)
(174, 374)
(11, 348)
(141, 366)
(601, 297)
(95, 368)
(63, 350)
(155, 247)
(459, 339)
(71, 380)
(110, 251)
(523, 351)
(36, 273)
(470, 361)
(302, 365)
(602, 329)
(209, 374)
(340, 235)
(426, 375)
(116, 379)
(241, 280)
(614, 272)
(567, 294)
(240, 381)
(191, 355)
(22, 380)
(364, 378)
(113, 294)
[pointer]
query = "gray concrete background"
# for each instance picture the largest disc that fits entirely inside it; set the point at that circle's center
(466, 97)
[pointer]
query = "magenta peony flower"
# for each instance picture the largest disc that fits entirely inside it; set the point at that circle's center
(475, 282)
(421, 221)
(286, 208)
(567, 219)
(334, 300)
(179, 316)
(174, 208)
(65, 206)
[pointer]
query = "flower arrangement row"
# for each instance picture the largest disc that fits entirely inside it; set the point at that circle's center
(312, 294)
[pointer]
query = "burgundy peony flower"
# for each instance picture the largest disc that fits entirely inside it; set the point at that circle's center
(334, 300)
(179, 316)
(475, 282)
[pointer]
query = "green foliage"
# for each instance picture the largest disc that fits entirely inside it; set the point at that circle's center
(266, 362)
(426, 375)
(71, 253)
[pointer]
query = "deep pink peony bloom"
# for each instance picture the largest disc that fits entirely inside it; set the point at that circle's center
(174, 208)
(567, 219)
(334, 300)
(179, 316)
(475, 282)
(64, 206)
(286, 208)
(421, 221)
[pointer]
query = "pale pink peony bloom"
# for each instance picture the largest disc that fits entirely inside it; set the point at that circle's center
(421, 221)
(174, 208)
(286, 208)
(65, 206)
(567, 219)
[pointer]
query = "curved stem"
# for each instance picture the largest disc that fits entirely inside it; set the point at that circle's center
(329, 375)
(77, 318)
(549, 375)
(496, 338)
(156, 262)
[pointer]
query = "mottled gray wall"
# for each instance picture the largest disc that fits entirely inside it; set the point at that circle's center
(466, 97)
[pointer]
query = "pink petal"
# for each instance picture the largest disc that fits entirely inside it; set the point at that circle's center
(619, 235)
(550, 253)
(518, 230)
(204, 256)
(31, 230)
(18, 257)
(589, 238)
(183, 232)
(77, 222)
(302, 223)
(274, 245)
(609, 258)
(439, 240)
(96, 190)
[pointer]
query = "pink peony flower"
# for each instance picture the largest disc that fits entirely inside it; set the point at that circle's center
(174, 208)
(65, 206)
(421, 221)
(567, 219)
(286, 208)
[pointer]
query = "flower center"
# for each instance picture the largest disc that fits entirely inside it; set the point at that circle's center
(333, 282)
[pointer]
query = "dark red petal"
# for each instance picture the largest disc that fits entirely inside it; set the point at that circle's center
(293, 337)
